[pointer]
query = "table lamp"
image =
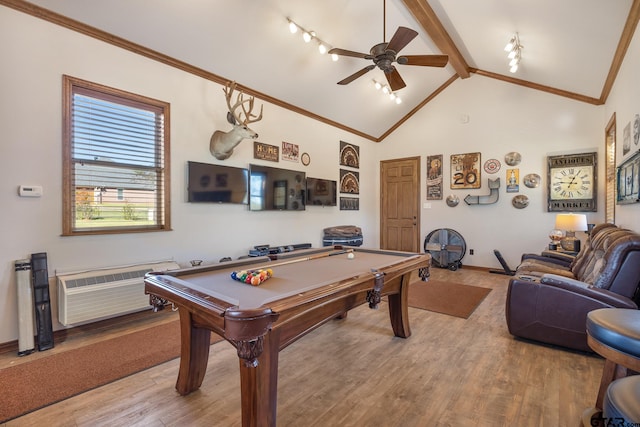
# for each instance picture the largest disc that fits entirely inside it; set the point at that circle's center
(571, 223)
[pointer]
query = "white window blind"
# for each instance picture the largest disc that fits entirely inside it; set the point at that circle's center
(116, 161)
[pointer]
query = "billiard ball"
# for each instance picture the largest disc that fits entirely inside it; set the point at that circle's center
(351, 255)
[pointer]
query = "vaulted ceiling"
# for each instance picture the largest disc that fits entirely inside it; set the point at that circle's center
(572, 48)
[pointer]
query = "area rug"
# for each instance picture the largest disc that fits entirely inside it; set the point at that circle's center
(46, 380)
(450, 298)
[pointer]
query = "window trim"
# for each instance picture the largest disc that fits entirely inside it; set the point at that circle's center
(71, 85)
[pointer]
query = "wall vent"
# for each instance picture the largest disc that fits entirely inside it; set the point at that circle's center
(100, 294)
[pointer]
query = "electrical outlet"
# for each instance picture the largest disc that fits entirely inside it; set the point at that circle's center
(471, 251)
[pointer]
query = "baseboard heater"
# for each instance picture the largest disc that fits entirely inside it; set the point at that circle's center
(99, 294)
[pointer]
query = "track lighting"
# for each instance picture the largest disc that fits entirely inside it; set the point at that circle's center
(387, 91)
(307, 36)
(515, 52)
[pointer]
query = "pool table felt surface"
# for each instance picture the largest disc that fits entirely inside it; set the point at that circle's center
(287, 280)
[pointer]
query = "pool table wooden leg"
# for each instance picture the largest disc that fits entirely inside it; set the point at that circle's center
(398, 309)
(259, 385)
(194, 354)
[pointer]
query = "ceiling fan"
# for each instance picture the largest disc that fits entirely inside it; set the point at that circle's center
(385, 54)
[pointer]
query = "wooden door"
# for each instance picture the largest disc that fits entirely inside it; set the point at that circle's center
(400, 204)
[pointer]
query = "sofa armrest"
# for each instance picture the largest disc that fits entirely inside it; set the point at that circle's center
(581, 288)
(547, 259)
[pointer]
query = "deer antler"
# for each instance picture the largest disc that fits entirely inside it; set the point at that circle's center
(248, 114)
(240, 101)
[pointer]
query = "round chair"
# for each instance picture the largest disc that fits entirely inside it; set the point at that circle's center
(613, 333)
(622, 401)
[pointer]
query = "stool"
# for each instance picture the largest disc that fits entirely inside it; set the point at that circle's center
(622, 401)
(613, 333)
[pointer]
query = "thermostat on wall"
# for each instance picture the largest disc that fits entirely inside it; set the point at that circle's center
(30, 190)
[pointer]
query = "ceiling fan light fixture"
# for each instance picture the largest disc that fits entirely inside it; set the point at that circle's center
(307, 36)
(322, 48)
(514, 68)
(334, 57)
(398, 100)
(377, 85)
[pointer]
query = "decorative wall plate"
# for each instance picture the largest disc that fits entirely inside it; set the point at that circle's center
(453, 200)
(513, 158)
(520, 201)
(531, 180)
(305, 159)
(492, 166)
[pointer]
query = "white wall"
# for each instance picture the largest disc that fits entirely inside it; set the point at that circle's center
(35, 55)
(502, 118)
(624, 101)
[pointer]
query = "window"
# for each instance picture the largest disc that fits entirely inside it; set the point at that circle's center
(115, 161)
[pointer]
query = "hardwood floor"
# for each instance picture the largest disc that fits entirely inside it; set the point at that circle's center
(353, 372)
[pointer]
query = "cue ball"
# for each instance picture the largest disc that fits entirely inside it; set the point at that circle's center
(351, 255)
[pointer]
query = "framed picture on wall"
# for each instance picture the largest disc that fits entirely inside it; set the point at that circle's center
(465, 171)
(628, 180)
(434, 177)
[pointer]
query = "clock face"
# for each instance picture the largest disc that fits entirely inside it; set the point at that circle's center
(572, 183)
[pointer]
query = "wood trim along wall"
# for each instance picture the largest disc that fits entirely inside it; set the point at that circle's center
(625, 39)
(418, 8)
(531, 85)
(55, 18)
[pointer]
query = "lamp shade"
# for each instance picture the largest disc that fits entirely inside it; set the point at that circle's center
(571, 222)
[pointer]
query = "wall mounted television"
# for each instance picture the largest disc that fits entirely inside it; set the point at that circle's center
(210, 183)
(276, 189)
(321, 192)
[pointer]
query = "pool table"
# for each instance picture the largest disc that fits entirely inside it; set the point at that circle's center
(307, 289)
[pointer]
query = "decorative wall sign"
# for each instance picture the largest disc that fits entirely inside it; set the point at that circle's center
(513, 178)
(465, 171)
(290, 152)
(349, 155)
(434, 177)
(520, 201)
(572, 180)
(629, 180)
(266, 152)
(491, 198)
(626, 139)
(492, 166)
(452, 200)
(512, 159)
(349, 204)
(305, 159)
(349, 181)
(532, 180)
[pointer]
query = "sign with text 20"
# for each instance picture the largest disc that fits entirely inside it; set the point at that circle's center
(465, 171)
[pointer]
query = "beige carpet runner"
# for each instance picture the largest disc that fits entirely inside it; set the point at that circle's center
(46, 380)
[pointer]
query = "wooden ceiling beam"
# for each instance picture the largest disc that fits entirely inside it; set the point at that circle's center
(429, 21)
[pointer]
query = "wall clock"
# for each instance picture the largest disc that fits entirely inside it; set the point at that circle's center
(572, 183)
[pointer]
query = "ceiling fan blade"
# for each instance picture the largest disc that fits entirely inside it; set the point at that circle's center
(424, 60)
(394, 79)
(355, 75)
(401, 38)
(345, 52)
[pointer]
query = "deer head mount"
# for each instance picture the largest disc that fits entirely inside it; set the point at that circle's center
(222, 144)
